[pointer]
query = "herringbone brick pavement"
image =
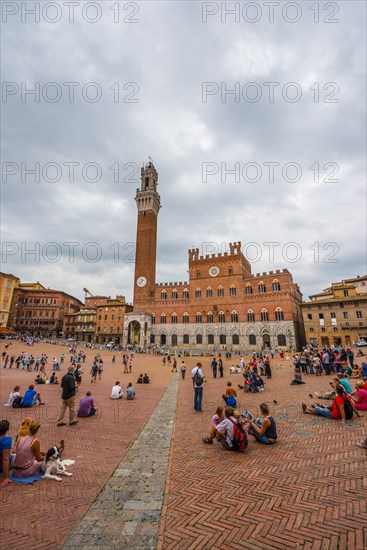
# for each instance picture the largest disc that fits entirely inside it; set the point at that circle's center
(309, 491)
(44, 514)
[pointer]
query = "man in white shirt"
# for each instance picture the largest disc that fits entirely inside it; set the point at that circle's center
(225, 428)
(12, 396)
(198, 380)
(116, 391)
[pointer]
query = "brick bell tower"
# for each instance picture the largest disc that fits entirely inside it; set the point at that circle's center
(148, 203)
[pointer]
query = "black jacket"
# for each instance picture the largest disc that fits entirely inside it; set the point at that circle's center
(68, 386)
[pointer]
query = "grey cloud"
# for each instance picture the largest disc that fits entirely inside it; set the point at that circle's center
(169, 54)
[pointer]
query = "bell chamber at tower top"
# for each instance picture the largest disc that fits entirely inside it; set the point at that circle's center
(147, 197)
(149, 177)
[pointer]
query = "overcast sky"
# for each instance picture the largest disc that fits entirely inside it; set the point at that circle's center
(166, 55)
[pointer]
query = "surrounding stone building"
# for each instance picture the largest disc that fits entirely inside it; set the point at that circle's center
(69, 325)
(7, 285)
(222, 305)
(337, 315)
(85, 324)
(110, 320)
(41, 311)
(100, 320)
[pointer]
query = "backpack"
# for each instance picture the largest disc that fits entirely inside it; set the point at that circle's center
(239, 441)
(348, 409)
(197, 379)
(17, 402)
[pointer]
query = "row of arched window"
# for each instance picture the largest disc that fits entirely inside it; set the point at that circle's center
(198, 339)
(222, 318)
(262, 289)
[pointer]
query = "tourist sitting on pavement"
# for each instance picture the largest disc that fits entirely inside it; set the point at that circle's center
(364, 368)
(31, 397)
(116, 392)
(146, 379)
(260, 382)
(53, 379)
(28, 458)
(23, 429)
(130, 392)
(264, 429)
(246, 382)
(5, 456)
(86, 406)
(14, 395)
(216, 419)
(341, 380)
(336, 410)
(254, 383)
(297, 378)
(324, 395)
(357, 372)
(230, 396)
(140, 379)
(359, 396)
(225, 429)
(39, 380)
(347, 369)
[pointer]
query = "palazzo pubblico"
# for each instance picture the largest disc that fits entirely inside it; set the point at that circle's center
(223, 305)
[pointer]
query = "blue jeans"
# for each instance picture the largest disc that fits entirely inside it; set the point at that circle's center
(323, 412)
(261, 438)
(198, 397)
(230, 401)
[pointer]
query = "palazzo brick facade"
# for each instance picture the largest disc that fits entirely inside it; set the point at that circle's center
(41, 311)
(222, 305)
(337, 316)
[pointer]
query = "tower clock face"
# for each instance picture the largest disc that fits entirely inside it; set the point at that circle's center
(141, 281)
(214, 271)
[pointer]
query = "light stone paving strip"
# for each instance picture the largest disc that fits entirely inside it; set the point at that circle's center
(127, 512)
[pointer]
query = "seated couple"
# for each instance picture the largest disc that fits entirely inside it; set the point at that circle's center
(44, 380)
(341, 408)
(30, 398)
(223, 427)
(143, 379)
(117, 392)
(28, 458)
(252, 382)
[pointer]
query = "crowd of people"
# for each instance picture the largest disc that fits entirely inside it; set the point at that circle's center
(346, 389)
(228, 426)
(348, 393)
(24, 457)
